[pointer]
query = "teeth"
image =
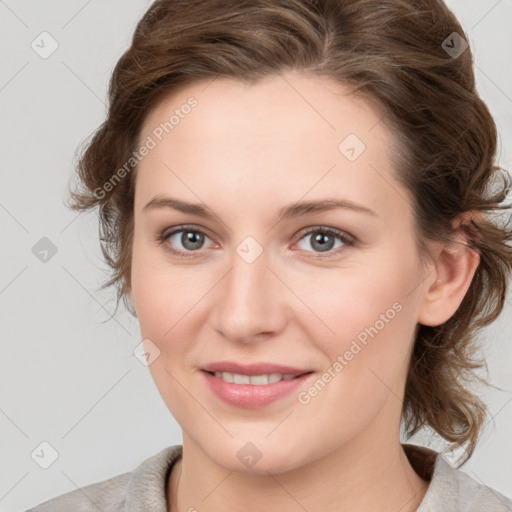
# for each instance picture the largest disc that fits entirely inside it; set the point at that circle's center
(241, 379)
(259, 380)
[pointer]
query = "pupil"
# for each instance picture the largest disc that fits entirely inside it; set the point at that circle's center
(321, 239)
(192, 237)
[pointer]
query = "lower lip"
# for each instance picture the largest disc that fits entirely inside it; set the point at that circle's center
(253, 396)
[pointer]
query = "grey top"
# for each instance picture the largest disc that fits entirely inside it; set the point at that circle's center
(450, 489)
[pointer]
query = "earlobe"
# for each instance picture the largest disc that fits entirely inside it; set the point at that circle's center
(131, 306)
(455, 267)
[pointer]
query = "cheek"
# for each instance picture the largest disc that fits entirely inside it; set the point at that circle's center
(368, 353)
(153, 295)
(154, 288)
(163, 302)
(366, 312)
(167, 299)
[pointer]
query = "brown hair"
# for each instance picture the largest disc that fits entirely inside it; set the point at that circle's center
(393, 52)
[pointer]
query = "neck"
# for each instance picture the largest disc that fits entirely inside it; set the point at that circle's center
(378, 477)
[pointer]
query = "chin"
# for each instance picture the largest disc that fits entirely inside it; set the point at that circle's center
(255, 458)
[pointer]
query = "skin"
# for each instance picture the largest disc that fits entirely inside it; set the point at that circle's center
(244, 152)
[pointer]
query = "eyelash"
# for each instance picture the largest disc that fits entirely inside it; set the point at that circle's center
(347, 240)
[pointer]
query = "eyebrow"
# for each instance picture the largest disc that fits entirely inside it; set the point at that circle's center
(289, 211)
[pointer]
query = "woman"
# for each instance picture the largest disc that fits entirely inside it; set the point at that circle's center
(295, 201)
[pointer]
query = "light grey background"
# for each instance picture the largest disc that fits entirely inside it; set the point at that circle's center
(68, 376)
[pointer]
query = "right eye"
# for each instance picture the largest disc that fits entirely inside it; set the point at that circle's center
(191, 240)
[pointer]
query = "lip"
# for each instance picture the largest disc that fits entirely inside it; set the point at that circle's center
(253, 396)
(253, 368)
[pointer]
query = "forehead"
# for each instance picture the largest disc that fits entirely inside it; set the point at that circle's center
(324, 106)
(291, 134)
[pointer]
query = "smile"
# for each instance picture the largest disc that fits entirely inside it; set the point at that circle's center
(257, 380)
(254, 391)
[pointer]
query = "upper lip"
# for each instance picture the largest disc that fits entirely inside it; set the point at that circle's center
(253, 368)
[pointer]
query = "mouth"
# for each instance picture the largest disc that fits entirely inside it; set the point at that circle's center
(253, 386)
(255, 380)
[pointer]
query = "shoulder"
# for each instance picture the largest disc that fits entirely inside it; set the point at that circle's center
(451, 488)
(124, 492)
(99, 495)
(460, 489)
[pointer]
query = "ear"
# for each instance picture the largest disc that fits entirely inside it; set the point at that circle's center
(131, 305)
(455, 264)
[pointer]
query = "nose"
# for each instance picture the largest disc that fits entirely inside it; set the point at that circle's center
(249, 301)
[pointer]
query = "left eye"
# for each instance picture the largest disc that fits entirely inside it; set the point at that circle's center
(324, 239)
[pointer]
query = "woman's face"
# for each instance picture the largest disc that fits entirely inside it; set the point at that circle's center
(268, 270)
